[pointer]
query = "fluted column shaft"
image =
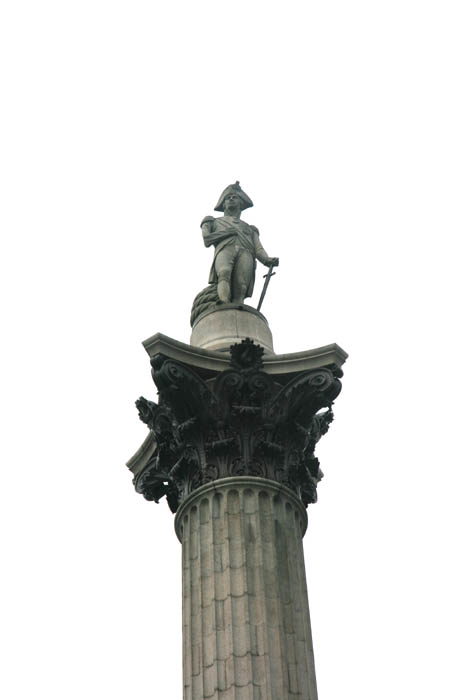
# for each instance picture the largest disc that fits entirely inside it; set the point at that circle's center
(246, 624)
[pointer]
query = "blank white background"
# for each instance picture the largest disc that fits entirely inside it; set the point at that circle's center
(121, 124)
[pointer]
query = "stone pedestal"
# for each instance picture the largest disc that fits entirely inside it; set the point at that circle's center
(222, 326)
(246, 625)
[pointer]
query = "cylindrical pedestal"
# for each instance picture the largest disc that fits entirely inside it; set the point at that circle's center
(222, 326)
(246, 623)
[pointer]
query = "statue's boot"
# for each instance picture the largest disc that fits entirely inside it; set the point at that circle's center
(239, 297)
(223, 291)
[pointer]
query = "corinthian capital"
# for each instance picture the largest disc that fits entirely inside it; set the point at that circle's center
(241, 418)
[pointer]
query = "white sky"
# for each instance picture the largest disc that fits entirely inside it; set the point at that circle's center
(121, 124)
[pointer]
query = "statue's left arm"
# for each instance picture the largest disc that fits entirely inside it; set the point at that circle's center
(260, 253)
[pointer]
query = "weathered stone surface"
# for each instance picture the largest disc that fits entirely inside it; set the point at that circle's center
(246, 625)
(222, 326)
(209, 362)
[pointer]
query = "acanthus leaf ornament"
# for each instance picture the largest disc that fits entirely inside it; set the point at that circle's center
(237, 421)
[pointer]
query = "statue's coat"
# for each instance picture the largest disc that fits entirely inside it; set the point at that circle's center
(226, 230)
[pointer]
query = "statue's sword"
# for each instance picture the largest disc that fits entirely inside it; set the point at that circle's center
(267, 279)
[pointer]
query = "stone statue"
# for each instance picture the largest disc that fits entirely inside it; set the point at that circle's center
(236, 247)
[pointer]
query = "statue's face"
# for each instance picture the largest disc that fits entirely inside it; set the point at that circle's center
(232, 202)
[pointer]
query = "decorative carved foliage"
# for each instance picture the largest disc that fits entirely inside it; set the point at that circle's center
(246, 355)
(242, 421)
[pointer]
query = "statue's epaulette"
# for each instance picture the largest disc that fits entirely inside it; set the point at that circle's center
(207, 219)
(255, 230)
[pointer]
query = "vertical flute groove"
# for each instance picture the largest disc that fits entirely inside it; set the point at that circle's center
(274, 631)
(196, 632)
(290, 680)
(229, 589)
(218, 504)
(294, 540)
(255, 609)
(186, 612)
(207, 600)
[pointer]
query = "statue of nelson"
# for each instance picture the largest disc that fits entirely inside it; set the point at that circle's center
(237, 247)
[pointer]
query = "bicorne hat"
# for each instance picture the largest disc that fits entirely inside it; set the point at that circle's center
(246, 201)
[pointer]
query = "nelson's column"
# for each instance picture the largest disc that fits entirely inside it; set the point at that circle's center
(231, 445)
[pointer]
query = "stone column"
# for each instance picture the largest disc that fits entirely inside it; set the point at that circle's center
(246, 624)
(232, 447)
